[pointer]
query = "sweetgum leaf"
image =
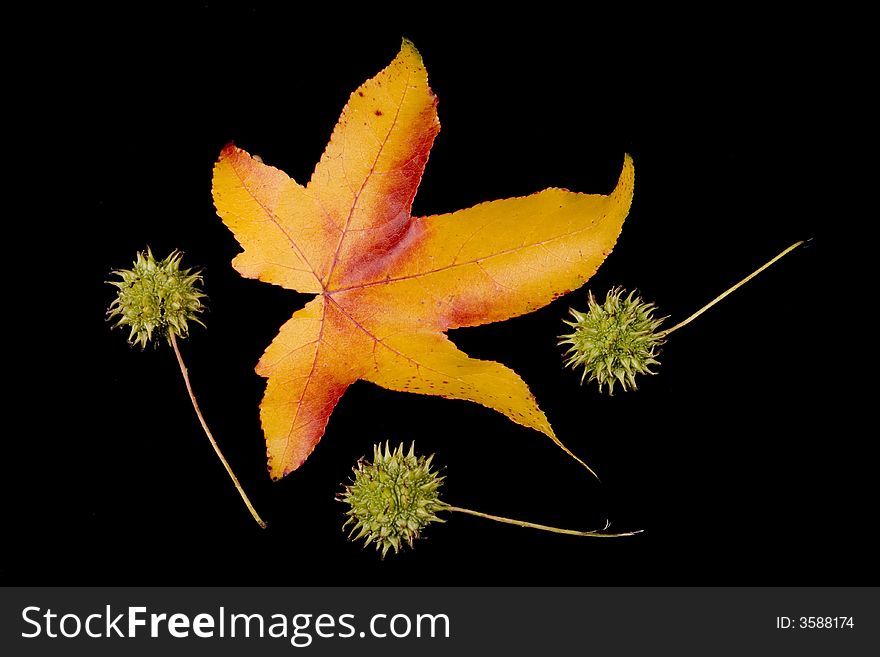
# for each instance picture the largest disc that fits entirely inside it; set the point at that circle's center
(388, 284)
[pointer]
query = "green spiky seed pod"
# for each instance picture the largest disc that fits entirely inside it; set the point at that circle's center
(392, 499)
(614, 341)
(156, 298)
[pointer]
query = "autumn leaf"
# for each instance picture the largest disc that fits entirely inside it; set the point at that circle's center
(389, 285)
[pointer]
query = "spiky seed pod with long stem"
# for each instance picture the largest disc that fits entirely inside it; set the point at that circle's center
(396, 496)
(619, 339)
(156, 299)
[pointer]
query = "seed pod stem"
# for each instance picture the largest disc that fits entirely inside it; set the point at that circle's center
(687, 321)
(204, 424)
(596, 533)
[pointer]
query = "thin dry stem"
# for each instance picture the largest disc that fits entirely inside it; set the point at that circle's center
(531, 525)
(729, 290)
(211, 437)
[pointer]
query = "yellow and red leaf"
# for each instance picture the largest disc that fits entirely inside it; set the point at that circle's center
(389, 284)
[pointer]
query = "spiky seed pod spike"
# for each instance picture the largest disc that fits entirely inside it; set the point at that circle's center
(156, 298)
(393, 498)
(614, 341)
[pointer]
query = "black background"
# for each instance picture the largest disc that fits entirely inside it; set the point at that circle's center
(740, 459)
